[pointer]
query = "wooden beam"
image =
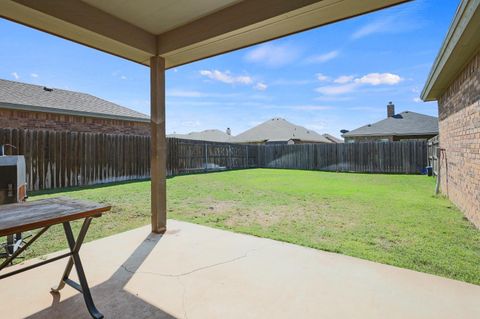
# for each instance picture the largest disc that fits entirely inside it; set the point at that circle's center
(251, 22)
(77, 21)
(159, 145)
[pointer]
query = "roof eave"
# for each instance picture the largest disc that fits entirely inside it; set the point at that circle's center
(34, 108)
(460, 44)
(393, 134)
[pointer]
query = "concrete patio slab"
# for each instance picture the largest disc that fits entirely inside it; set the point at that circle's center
(198, 272)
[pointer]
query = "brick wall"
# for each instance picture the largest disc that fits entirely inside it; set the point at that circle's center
(59, 122)
(459, 111)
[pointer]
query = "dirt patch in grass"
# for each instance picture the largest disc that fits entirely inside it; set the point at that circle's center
(392, 219)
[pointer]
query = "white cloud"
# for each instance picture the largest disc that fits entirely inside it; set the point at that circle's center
(34, 75)
(322, 58)
(400, 19)
(272, 55)
(226, 77)
(336, 89)
(379, 78)
(344, 79)
(322, 77)
(417, 100)
(349, 84)
(260, 86)
(118, 74)
(15, 75)
(373, 27)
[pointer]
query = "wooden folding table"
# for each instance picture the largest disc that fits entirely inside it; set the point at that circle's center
(42, 214)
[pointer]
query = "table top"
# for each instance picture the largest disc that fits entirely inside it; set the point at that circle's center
(20, 217)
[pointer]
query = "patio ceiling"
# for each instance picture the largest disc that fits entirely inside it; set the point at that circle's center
(180, 31)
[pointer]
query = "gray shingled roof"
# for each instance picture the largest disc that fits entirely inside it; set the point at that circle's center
(405, 123)
(207, 135)
(35, 98)
(332, 138)
(279, 130)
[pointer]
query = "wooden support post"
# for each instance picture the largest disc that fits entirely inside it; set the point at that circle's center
(159, 145)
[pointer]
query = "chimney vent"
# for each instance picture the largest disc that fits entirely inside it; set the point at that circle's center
(390, 109)
(229, 131)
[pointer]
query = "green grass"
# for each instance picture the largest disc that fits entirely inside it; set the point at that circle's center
(392, 219)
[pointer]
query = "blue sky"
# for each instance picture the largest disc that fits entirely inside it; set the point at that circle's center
(339, 76)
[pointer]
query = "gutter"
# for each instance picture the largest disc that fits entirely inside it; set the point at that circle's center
(460, 23)
(393, 134)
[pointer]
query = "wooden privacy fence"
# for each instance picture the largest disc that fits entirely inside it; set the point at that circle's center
(66, 159)
(433, 154)
(189, 156)
(407, 157)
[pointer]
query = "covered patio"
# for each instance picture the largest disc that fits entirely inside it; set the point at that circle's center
(166, 34)
(188, 271)
(194, 271)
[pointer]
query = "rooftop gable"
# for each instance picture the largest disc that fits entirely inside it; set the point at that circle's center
(279, 130)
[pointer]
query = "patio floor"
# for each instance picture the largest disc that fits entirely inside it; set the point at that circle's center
(198, 272)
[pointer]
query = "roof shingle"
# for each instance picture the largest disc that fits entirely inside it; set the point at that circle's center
(36, 98)
(279, 130)
(405, 123)
(207, 135)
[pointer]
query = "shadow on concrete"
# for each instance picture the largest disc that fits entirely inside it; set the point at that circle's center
(110, 297)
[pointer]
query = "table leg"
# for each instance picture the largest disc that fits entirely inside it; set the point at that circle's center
(75, 260)
(66, 273)
(78, 244)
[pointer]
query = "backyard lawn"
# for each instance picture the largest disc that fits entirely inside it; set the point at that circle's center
(392, 219)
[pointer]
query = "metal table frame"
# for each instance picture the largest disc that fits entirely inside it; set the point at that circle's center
(74, 260)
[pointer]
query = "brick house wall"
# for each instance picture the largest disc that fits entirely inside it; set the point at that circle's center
(459, 124)
(60, 122)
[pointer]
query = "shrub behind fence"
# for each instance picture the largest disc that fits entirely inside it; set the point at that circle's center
(65, 159)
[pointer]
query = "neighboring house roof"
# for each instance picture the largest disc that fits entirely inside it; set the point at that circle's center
(460, 45)
(29, 97)
(207, 135)
(332, 138)
(279, 130)
(405, 123)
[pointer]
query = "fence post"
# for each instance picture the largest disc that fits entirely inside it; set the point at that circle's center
(206, 157)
